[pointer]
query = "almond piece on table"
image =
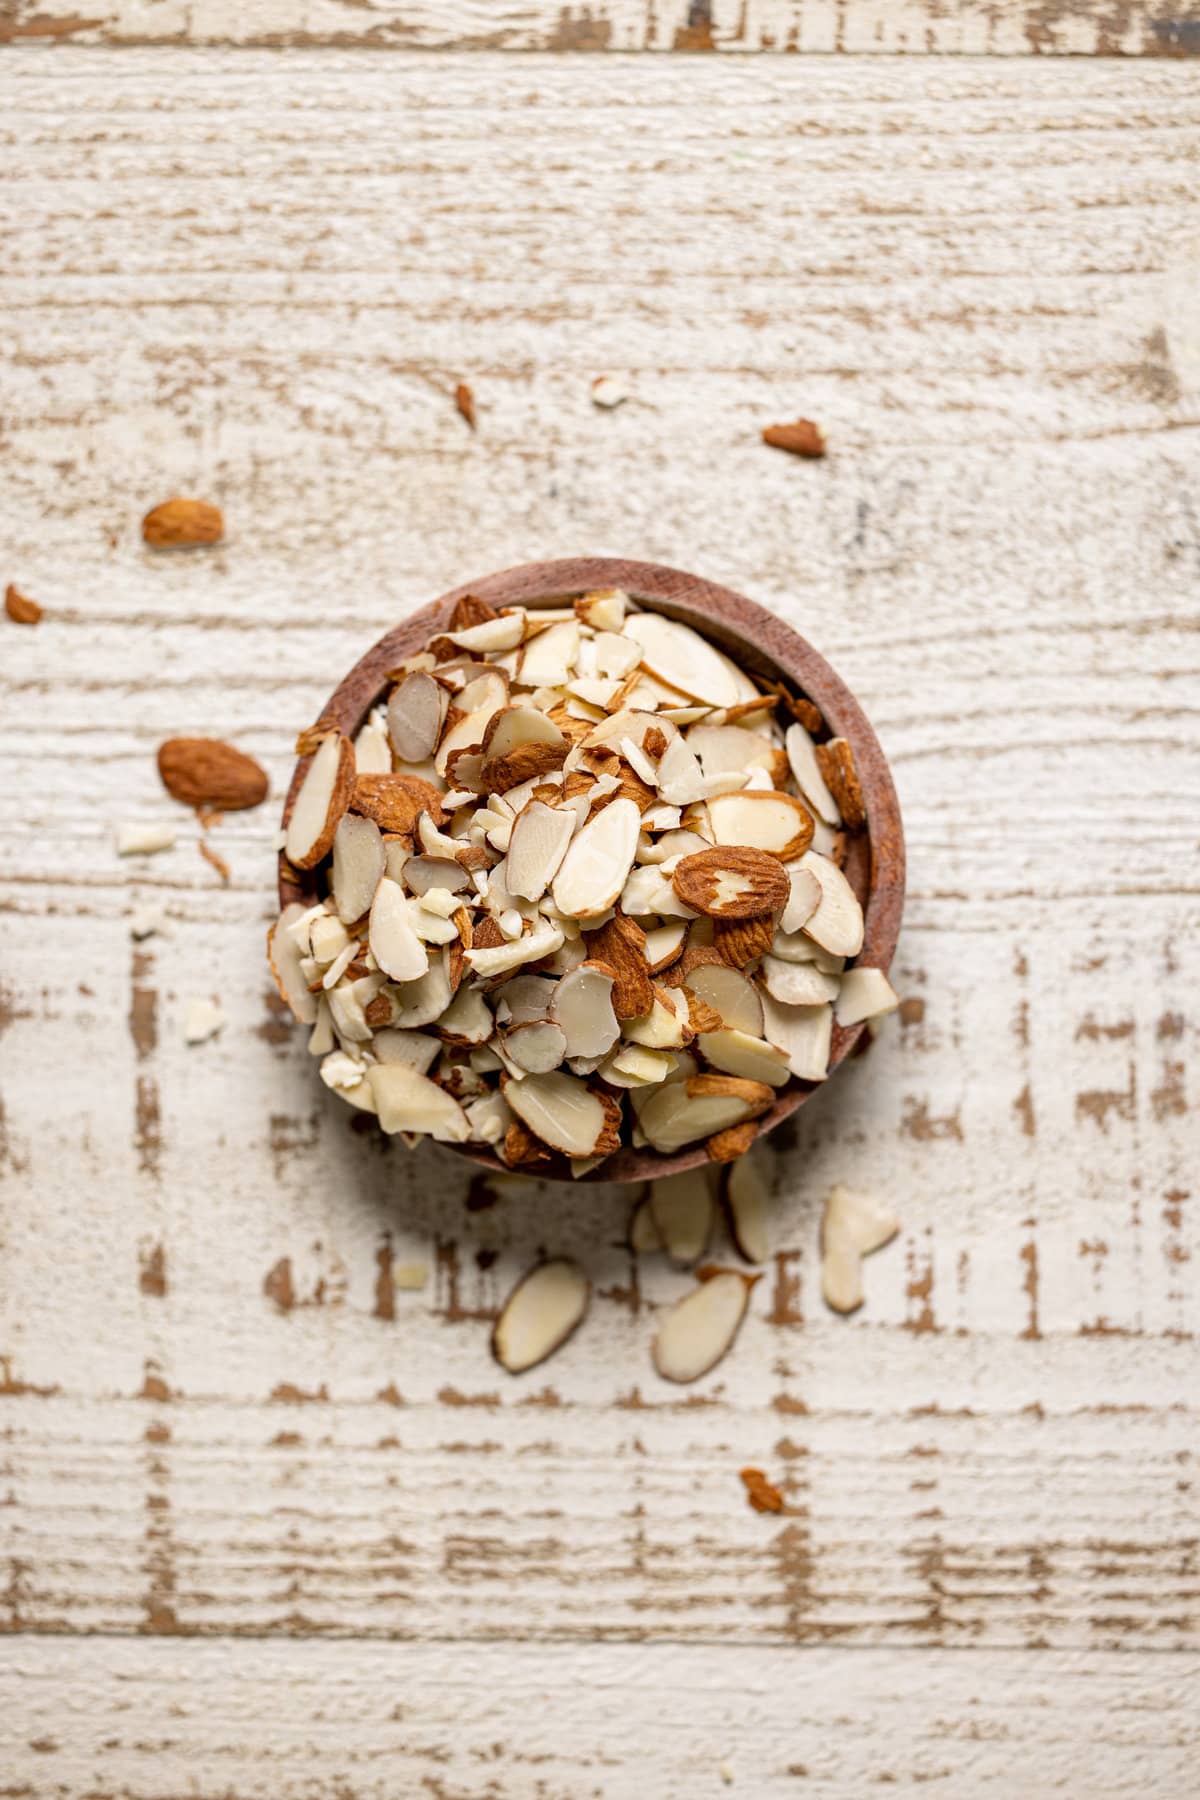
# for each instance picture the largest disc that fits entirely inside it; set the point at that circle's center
(801, 438)
(837, 925)
(863, 994)
(732, 882)
(608, 392)
(179, 524)
(700, 1328)
(206, 772)
(323, 797)
(547, 1305)
(19, 607)
(836, 760)
(144, 840)
(745, 1196)
(598, 861)
(682, 1209)
(408, 1101)
(859, 1218)
(763, 821)
(582, 1006)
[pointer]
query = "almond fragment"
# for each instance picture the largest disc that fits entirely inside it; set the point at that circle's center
(864, 994)
(803, 1033)
(19, 607)
(323, 797)
(682, 1209)
(560, 1110)
(470, 610)
(700, 1329)
(283, 955)
(763, 1495)
(178, 524)
(836, 761)
(682, 658)
(313, 736)
(745, 1196)
(522, 1150)
(536, 848)
(731, 882)
(803, 900)
(853, 1226)
(547, 1305)
(464, 401)
(202, 1020)
(144, 840)
(728, 991)
(467, 1020)
(726, 1146)
(598, 861)
(206, 772)
(408, 1101)
(396, 802)
(739, 1054)
(678, 1113)
(395, 946)
(801, 438)
(797, 983)
(537, 1046)
(764, 821)
(806, 764)
(664, 945)
(837, 925)
(582, 1006)
(414, 714)
(740, 942)
(603, 609)
(621, 946)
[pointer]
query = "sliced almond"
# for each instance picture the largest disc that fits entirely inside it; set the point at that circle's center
(415, 712)
(358, 865)
(561, 1111)
(739, 1054)
(731, 882)
(421, 1002)
(502, 632)
(407, 1101)
(520, 744)
(414, 1049)
(423, 875)
(804, 897)
(681, 657)
(582, 1006)
(665, 1027)
(603, 609)
(397, 949)
(864, 994)
(284, 956)
(537, 1046)
(526, 997)
(797, 983)
(467, 1019)
(620, 945)
(730, 749)
(776, 822)
(548, 660)
(682, 1209)
(860, 1219)
(643, 1232)
(680, 1113)
(545, 1307)
(700, 1329)
(634, 1066)
(836, 762)
(745, 1195)
(731, 994)
(797, 947)
(323, 797)
(663, 945)
(489, 1118)
(536, 848)
(837, 924)
(802, 755)
(598, 861)
(841, 1275)
(488, 959)
(372, 750)
(803, 1033)
(396, 801)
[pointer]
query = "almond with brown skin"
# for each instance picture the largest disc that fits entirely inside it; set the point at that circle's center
(395, 802)
(801, 438)
(321, 799)
(464, 400)
(732, 882)
(19, 607)
(741, 941)
(313, 735)
(181, 524)
(836, 762)
(469, 610)
(206, 772)
(728, 1145)
(621, 945)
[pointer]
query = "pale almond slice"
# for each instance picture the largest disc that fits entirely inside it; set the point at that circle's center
(545, 1307)
(582, 1006)
(407, 1101)
(595, 691)
(776, 822)
(663, 1027)
(526, 997)
(327, 938)
(803, 1033)
(421, 1002)
(643, 1232)
(837, 924)
(797, 983)
(680, 779)
(520, 742)
(562, 1112)
(548, 660)
(682, 1210)
(745, 1195)
(394, 944)
(431, 924)
(339, 965)
(670, 847)
(664, 944)
(321, 1039)
(729, 993)
(413, 1048)
(864, 994)
(284, 955)
(415, 712)
(661, 818)
(603, 608)
(489, 1118)
(202, 1019)
(485, 690)
(348, 1015)
(536, 848)
(372, 751)
(681, 657)
(841, 1275)
(632, 1066)
(467, 1019)
(504, 632)
(680, 1112)
(597, 863)
(803, 900)
(797, 947)
(648, 893)
(730, 750)
(358, 865)
(495, 960)
(699, 1329)
(739, 1054)
(614, 654)
(861, 1220)
(802, 756)
(537, 1046)
(633, 723)
(464, 734)
(441, 903)
(323, 797)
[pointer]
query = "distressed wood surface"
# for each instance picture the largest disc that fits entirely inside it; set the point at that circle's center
(219, 1419)
(1154, 28)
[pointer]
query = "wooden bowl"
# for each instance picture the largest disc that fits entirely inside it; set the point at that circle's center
(763, 645)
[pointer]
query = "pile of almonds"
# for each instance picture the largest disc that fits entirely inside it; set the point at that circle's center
(581, 886)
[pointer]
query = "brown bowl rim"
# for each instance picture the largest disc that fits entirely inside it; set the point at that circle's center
(764, 644)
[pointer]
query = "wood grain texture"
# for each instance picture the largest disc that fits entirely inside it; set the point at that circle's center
(1150, 28)
(260, 281)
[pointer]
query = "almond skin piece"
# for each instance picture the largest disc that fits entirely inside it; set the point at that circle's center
(19, 607)
(836, 763)
(206, 772)
(741, 941)
(179, 524)
(396, 801)
(464, 400)
(621, 944)
(759, 884)
(801, 438)
(467, 612)
(733, 1142)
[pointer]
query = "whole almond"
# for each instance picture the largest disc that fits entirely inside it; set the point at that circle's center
(19, 607)
(205, 772)
(801, 438)
(178, 523)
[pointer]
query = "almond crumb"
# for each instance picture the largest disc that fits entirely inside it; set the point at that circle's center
(801, 438)
(19, 607)
(180, 524)
(464, 400)
(762, 1494)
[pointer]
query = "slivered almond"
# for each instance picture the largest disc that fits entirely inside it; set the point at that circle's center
(836, 762)
(621, 946)
(603, 609)
(536, 848)
(284, 955)
(180, 524)
(853, 1226)
(863, 994)
(643, 1232)
(763, 821)
(421, 1002)
(208, 773)
(682, 1210)
(537, 1046)
(804, 757)
(682, 658)
(323, 797)
(562, 1111)
(467, 1019)
(727, 1146)
(739, 1054)
(732, 995)
(803, 900)
(397, 949)
(358, 864)
(700, 1329)
(547, 1305)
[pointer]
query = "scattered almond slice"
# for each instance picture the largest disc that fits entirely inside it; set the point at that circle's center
(699, 1329)
(144, 840)
(643, 1232)
(323, 797)
(837, 925)
(745, 1196)
(864, 994)
(547, 1305)
(561, 1111)
(682, 1210)
(408, 1101)
(860, 1219)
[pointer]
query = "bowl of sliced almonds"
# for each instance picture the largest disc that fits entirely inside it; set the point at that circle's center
(591, 869)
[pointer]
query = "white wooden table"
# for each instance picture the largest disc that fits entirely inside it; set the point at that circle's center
(272, 1529)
